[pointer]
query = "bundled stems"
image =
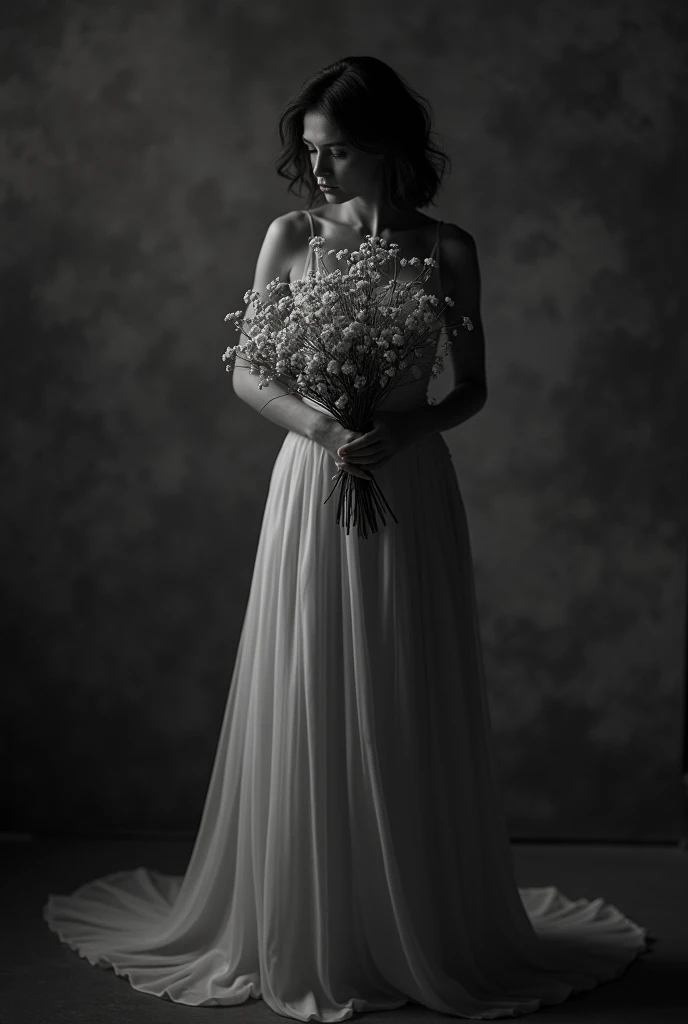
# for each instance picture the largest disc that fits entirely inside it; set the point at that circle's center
(361, 498)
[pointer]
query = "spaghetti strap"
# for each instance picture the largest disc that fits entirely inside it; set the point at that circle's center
(310, 247)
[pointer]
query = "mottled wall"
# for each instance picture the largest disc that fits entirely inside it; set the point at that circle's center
(138, 179)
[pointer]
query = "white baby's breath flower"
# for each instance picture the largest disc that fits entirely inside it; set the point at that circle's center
(334, 324)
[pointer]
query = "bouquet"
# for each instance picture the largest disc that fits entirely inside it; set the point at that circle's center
(343, 341)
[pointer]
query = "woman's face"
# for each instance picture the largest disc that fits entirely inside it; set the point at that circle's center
(353, 172)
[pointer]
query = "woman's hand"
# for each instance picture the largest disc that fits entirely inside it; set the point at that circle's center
(333, 436)
(392, 432)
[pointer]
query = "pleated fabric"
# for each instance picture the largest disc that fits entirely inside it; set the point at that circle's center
(352, 853)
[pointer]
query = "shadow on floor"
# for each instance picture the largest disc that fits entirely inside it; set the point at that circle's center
(42, 981)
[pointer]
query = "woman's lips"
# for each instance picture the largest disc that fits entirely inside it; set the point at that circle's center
(328, 188)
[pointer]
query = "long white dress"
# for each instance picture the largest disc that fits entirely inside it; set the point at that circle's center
(352, 854)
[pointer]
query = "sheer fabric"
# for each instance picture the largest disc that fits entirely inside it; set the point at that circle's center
(352, 853)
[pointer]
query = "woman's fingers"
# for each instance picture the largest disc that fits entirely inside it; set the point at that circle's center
(364, 449)
(364, 460)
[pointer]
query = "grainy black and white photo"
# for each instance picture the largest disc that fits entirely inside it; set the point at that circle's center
(344, 498)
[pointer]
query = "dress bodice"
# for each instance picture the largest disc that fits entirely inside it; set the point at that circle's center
(408, 392)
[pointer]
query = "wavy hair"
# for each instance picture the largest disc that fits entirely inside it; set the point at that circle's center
(376, 111)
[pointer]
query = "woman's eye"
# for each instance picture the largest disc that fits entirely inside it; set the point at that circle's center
(338, 154)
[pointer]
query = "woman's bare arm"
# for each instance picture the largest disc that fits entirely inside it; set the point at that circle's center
(461, 282)
(282, 239)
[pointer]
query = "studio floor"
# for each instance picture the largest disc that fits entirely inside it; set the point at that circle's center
(42, 981)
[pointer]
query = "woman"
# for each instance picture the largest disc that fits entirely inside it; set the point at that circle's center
(352, 854)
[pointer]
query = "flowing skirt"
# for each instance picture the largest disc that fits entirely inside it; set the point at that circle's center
(352, 854)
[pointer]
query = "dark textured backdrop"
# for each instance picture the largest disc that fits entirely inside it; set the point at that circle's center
(137, 165)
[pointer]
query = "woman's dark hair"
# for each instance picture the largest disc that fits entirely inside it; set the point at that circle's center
(376, 111)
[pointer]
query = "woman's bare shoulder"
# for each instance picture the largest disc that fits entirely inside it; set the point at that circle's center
(286, 236)
(292, 223)
(297, 223)
(290, 233)
(456, 234)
